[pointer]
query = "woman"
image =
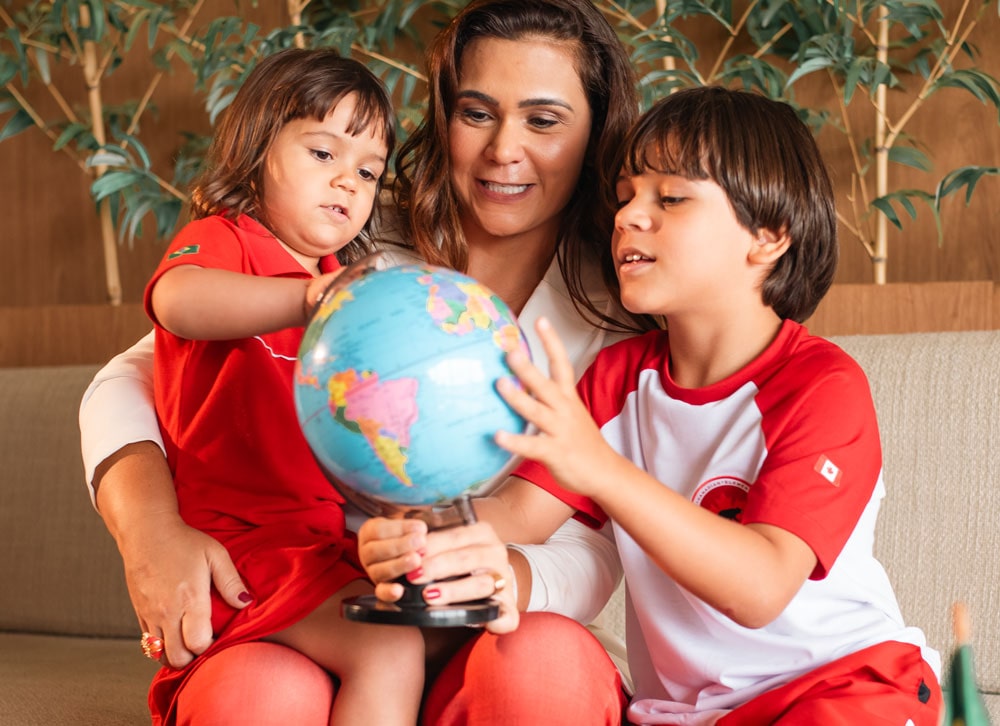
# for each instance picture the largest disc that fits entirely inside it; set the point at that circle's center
(503, 180)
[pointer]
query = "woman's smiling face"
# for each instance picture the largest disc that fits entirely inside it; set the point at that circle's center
(518, 136)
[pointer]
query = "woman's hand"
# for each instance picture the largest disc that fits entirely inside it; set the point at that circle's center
(472, 554)
(169, 567)
(169, 571)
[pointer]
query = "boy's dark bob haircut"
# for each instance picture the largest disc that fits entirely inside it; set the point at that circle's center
(767, 162)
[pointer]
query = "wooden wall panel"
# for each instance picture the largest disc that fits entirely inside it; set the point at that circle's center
(68, 334)
(860, 308)
(50, 244)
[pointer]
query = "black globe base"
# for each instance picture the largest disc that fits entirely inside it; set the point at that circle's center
(369, 609)
(412, 609)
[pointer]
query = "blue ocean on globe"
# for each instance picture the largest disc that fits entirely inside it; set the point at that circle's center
(394, 385)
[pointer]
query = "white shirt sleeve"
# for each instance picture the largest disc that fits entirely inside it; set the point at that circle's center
(575, 572)
(117, 408)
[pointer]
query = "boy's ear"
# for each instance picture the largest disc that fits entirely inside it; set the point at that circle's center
(769, 246)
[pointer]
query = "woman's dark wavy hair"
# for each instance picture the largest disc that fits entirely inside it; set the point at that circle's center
(288, 85)
(766, 160)
(422, 190)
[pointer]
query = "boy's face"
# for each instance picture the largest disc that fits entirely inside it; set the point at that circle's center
(319, 182)
(679, 249)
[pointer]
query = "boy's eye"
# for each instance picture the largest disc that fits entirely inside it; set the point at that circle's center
(668, 201)
(321, 154)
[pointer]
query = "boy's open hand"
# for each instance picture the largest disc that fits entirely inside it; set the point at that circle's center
(568, 441)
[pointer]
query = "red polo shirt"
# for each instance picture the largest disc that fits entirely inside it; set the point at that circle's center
(242, 468)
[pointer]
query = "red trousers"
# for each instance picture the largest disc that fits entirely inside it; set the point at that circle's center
(551, 670)
(888, 683)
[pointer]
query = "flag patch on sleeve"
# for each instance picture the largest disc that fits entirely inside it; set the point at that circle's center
(828, 470)
(188, 250)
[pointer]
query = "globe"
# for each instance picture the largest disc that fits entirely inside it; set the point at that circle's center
(394, 385)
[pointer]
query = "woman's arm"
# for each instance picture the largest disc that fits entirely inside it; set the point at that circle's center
(117, 408)
(169, 566)
(574, 573)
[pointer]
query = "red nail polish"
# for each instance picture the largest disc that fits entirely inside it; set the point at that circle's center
(414, 574)
(431, 593)
(245, 597)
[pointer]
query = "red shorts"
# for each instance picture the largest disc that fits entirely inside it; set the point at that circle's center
(888, 683)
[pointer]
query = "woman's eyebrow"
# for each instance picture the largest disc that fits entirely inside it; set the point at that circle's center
(526, 103)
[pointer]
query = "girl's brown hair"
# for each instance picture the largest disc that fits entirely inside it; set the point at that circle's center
(766, 160)
(423, 192)
(288, 85)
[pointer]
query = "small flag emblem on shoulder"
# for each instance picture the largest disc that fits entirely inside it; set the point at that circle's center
(828, 470)
(188, 250)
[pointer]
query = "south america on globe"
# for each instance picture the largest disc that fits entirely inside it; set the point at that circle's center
(395, 384)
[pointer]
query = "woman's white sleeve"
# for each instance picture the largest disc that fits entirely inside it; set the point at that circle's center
(118, 407)
(575, 572)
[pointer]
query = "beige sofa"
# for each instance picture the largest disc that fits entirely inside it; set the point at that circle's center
(69, 648)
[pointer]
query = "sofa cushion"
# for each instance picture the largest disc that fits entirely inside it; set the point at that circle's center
(60, 569)
(937, 397)
(50, 680)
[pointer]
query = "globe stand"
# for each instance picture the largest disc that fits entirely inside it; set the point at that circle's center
(412, 609)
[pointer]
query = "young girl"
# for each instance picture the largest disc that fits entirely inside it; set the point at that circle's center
(294, 171)
(737, 456)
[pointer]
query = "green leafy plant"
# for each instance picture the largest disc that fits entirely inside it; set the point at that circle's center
(849, 55)
(95, 37)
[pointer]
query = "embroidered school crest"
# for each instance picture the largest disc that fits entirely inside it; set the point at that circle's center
(724, 495)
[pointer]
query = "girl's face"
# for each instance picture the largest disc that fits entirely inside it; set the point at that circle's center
(679, 248)
(518, 136)
(319, 182)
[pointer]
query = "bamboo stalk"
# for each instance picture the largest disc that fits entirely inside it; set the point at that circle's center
(881, 153)
(733, 34)
(144, 102)
(858, 187)
(93, 82)
(295, 16)
(669, 62)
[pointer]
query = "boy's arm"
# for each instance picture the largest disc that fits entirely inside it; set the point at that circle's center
(749, 572)
(521, 512)
(201, 303)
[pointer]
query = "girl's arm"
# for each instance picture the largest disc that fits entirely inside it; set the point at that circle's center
(200, 303)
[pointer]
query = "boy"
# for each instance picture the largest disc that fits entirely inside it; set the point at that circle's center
(737, 455)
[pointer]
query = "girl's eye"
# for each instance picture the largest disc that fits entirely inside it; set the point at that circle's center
(321, 154)
(367, 175)
(670, 201)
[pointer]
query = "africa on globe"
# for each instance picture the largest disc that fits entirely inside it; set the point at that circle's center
(395, 384)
